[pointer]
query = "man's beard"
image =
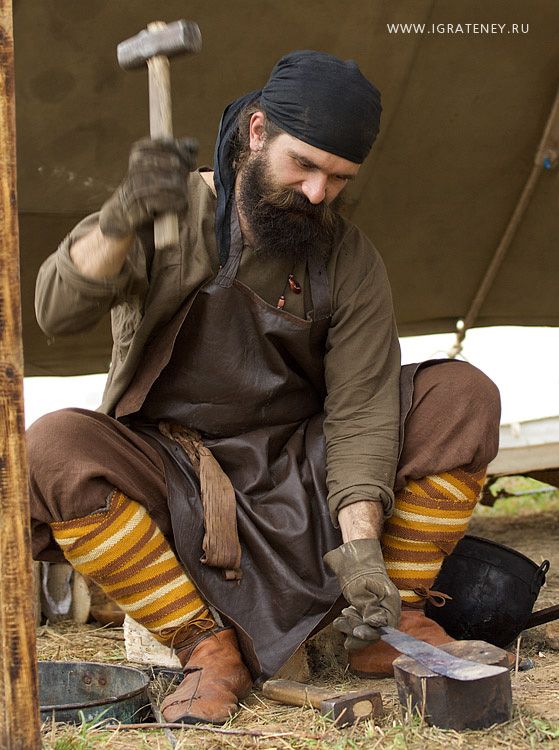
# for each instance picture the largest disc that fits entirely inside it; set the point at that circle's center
(281, 221)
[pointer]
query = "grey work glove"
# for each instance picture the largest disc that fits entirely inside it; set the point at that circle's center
(374, 599)
(156, 183)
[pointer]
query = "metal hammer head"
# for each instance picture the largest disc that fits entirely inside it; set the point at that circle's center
(356, 705)
(168, 40)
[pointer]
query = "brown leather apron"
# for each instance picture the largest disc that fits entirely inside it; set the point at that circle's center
(249, 377)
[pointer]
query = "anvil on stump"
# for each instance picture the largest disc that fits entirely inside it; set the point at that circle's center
(457, 704)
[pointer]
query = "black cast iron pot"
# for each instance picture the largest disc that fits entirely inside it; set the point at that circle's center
(493, 590)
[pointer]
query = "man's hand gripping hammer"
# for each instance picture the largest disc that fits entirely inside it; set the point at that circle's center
(154, 46)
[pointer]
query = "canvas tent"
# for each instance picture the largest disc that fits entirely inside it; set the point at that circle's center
(463, 116)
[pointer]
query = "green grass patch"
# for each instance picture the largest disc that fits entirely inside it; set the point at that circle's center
(517, 495)
(525, 504)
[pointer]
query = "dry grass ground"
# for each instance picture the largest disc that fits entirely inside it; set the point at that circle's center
(265, 725)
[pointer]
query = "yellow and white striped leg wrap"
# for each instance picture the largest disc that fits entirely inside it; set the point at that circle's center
(125, 553)
(430, 517)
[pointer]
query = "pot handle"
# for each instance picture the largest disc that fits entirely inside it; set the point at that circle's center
(539, 577)
(542, 616)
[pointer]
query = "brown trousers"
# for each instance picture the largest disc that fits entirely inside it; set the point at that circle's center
(77, 457)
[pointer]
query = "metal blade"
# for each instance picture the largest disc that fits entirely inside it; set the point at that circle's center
(436, 660)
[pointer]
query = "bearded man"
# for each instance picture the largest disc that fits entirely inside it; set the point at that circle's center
(260, 459)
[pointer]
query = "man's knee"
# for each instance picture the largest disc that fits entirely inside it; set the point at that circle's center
(453, 422)
(475, 386)
(54, 436)
(461, 385)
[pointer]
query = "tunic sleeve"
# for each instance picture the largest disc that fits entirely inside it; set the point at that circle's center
(362, 372)
(68, 302)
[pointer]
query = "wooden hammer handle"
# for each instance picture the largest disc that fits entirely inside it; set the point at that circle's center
(295, 693)
(166, 227)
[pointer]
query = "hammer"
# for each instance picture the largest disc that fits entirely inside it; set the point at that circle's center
(154, 46)
(344, 708)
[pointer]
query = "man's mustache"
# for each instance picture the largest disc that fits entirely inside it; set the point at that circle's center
(291, 201)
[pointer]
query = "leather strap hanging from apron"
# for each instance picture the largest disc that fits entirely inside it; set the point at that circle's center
(221, 539)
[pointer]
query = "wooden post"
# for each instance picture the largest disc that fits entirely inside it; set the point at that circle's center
(19, 705)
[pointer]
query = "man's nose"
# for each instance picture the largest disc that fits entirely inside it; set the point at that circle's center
(314, 188)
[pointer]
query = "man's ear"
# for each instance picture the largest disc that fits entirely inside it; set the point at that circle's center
(256, 131)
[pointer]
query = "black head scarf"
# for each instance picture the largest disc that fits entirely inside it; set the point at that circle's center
(318, 98)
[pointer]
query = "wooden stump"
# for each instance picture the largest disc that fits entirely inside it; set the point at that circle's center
(296, 668)
(456, 704)
(142, 648)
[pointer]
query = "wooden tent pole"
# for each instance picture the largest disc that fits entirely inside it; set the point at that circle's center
(19, 711)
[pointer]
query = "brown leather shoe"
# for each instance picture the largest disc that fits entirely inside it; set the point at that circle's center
(376, 660)
(215, 680)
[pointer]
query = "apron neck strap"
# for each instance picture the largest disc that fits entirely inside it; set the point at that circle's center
(320, 289)
(228, 272)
